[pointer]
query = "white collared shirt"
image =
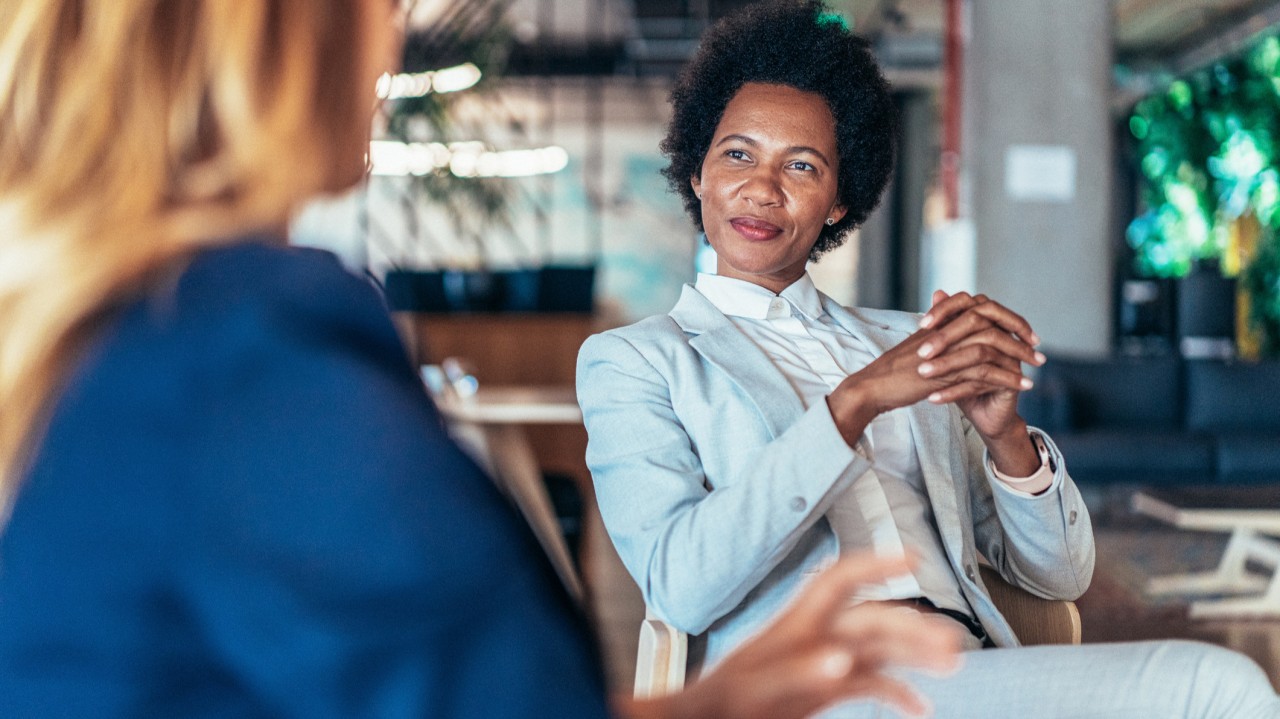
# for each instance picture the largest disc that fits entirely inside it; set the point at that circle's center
(886, 508)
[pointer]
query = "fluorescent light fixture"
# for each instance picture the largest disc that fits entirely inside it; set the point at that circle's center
(455, 79)
(418, 84)
(463, 159)
(510, 163)
(400, 158)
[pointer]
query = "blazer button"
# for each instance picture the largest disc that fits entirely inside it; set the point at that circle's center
(968, 572)
(798, 504)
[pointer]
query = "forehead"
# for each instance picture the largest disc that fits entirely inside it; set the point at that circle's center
(779, 113)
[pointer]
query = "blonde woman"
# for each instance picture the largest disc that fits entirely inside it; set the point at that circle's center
(225, 493)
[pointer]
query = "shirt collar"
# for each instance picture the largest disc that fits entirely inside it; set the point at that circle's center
(804, 296)
(739, 298)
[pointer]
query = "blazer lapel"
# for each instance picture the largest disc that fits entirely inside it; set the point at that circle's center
(941, 455)
(722, 344)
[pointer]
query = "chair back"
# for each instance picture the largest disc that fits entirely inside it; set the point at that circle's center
(1035, 620)
(662, 658)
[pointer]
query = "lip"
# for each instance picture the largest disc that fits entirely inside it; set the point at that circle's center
(755, 229)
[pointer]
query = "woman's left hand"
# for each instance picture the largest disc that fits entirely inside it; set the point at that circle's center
(984, 325)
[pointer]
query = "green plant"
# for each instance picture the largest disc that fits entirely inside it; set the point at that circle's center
(1173, 156)
(1208, 154)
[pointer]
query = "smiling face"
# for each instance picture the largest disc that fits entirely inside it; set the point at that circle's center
(768, 183)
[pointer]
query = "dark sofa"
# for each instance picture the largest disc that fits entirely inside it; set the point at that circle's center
(1161, 420)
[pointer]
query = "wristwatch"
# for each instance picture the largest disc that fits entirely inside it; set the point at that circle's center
(1042, 450)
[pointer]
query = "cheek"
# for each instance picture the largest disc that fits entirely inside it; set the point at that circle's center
(719, 187)
(713, 195)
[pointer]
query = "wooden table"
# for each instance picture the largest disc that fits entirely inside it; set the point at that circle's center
(491, 423)
(1252, 516)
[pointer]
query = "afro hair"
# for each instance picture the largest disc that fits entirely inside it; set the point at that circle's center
(801, 45)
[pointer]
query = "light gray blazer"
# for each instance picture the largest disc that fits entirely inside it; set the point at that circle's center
(714, 481)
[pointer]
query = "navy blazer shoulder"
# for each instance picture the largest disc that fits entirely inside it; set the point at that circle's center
(245, 505)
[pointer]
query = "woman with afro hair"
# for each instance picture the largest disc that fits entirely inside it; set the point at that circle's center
(759, 430)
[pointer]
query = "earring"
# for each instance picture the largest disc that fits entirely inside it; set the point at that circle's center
(831, 221)
(699, 195)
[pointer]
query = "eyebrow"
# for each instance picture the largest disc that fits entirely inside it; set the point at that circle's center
(794, 148)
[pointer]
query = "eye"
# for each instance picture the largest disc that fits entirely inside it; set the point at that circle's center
(735, 154)
(803, 166)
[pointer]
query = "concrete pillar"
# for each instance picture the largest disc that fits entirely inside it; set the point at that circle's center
(874, 284)
(1036, 163)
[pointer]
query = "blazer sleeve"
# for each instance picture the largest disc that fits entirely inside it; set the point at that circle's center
(343, 558)
(1043, 544)
(697, 553)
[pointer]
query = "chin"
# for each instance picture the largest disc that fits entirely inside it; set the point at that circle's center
(754, 266)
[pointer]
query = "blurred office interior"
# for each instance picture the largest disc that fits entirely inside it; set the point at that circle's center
(1108, 168)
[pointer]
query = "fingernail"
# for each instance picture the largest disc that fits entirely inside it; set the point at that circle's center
(926, 368)
(1040, 358)
(925, 350)
(1027, 383)
(926, 321)
(935, 397)
(1035, 339)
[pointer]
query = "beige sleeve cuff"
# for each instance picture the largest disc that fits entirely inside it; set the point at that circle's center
(1039, 481)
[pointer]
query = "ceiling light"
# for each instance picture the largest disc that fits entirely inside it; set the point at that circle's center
(419, 84)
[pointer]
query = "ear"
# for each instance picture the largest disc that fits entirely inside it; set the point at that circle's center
(696, 183)
(838, 212)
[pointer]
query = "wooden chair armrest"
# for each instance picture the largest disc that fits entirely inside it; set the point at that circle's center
(1035, 620)
(661, 658)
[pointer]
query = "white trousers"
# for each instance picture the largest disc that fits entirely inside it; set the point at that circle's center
(1136, 680)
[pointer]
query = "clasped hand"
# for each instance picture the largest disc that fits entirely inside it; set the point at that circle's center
(968, 350)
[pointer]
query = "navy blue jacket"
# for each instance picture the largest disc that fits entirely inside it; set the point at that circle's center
(245, 506)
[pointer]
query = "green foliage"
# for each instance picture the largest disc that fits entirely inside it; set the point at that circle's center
(1208, 154)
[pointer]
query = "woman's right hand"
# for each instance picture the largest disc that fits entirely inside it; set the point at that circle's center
(982, 343)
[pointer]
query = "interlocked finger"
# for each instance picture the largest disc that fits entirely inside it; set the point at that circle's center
(976, 362)
(966, 327)
(1005, 343)
(946, 308)
(1007, 320)
(962, 390)
(959, 315)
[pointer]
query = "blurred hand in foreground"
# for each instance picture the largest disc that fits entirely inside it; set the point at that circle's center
(818, 652)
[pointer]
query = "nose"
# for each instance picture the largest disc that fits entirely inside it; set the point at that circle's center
(762, 188)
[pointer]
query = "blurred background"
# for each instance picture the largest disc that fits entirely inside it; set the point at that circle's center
(1073, 159)
(1108, 168)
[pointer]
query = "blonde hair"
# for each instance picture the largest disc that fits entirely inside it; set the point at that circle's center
(133, 132)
